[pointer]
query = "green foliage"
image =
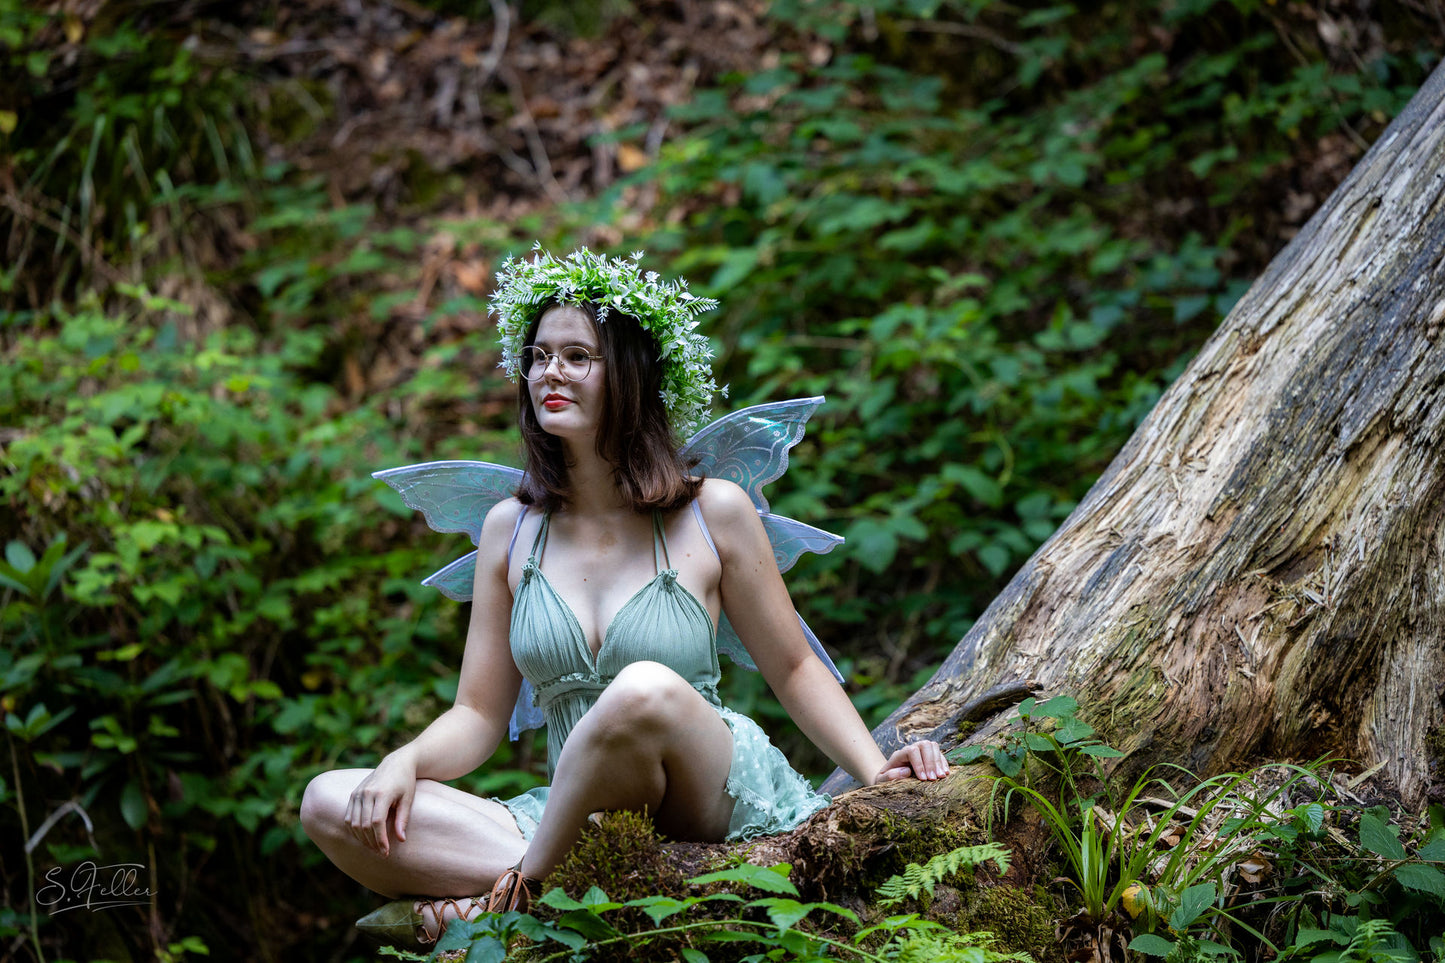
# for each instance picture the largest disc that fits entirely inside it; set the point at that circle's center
(917, 881)
(699, 928)
(203, 601)
(1051, 731)
(113, 124)
(1189, 863)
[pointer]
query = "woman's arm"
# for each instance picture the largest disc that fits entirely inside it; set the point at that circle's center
(466, 735)
(758, 605)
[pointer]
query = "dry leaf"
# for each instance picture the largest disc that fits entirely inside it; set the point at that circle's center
(631, 158)
(1254, 868)
(471, 275)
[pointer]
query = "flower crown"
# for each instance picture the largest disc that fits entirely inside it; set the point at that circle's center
(664, 309)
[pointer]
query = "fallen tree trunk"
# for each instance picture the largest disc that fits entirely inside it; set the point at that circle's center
(1260, 574)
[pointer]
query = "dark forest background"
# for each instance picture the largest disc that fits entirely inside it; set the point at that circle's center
(246, 254)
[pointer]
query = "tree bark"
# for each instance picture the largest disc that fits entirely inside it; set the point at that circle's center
(1260, 574)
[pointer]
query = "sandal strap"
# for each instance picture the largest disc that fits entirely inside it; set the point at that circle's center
(513, 891)
(438, 908)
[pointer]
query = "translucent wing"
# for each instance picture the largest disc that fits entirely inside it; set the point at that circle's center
(525, 715)
(791, 538)
(750, 446)
(455, 496)
(455, 580)
(730, 645)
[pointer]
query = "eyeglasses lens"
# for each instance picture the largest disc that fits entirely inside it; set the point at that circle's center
(573, 363)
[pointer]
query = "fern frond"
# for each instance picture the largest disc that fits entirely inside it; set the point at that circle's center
(980, 947)
(916, 880)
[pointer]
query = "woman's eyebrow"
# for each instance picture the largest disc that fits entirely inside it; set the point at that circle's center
(583, 343)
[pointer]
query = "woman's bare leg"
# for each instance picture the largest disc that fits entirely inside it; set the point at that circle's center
(650, 743)
(456, 844)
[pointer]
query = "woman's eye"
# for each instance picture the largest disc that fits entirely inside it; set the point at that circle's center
(575, 356)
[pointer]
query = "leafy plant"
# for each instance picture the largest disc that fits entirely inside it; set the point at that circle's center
(1052, 732)
(917, 881)
(769, 925)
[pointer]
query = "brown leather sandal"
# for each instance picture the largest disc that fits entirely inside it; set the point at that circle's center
(513, 891)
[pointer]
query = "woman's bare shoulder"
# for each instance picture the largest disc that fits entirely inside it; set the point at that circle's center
(504, 513)
(723, 499)
(497, 529)
(732, 519)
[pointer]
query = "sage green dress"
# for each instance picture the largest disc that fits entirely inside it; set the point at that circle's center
(663, 622)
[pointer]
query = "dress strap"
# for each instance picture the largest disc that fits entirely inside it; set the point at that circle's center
(539, 544)
(515, 530)
(659, 537)
(697, 513)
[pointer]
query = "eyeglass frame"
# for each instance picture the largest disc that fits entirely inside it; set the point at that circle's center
(548, 358)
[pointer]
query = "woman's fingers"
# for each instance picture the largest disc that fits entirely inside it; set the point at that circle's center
(366, 814)
(378, 828)
(923, 759)
(403, 815)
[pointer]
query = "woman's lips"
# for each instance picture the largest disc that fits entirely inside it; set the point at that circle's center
(555, 402)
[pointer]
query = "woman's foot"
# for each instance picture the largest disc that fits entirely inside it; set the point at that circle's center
(419, 923)
(513, 891)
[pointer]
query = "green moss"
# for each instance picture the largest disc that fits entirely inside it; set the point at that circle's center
(1023, 921)
(621, 854)
(1435, 744)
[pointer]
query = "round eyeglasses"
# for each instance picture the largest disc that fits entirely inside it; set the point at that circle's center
(573, 362)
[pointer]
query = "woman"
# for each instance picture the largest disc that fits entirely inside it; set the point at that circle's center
(602, 582)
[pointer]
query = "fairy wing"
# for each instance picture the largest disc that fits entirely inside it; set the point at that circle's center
(749, 447)
(455, 496)
(790, 538)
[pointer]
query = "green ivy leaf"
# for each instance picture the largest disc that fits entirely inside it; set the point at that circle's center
(1151, 944)
(784, 913)
(1192, 904)
(1101, 751)
(1378, 837)
(659, 908)
(133, 805)
(769, 879)
(1421, 878)
(1010, 762)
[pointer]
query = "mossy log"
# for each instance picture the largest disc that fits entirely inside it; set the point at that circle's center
(1260, 574)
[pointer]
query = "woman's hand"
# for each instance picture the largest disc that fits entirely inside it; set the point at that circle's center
(390, 787)
(923, 760)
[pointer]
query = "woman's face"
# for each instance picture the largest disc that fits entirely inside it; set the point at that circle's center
(565, 405)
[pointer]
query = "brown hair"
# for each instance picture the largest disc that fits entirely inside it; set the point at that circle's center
(633, 436)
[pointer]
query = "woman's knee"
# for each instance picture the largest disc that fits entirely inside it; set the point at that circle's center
(644, 697)
(323, 804)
